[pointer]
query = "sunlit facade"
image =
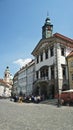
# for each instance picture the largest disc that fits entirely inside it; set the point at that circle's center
(48, 72)
(51, 71)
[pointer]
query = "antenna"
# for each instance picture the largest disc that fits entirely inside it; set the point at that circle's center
(47, 14)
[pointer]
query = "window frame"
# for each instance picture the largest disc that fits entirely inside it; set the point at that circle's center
(41, 56)
(46, 54)
(51, 51)
(62, 51)
(37, 59)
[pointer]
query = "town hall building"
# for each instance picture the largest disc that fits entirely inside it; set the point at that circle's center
(51, 70)
(48, 72)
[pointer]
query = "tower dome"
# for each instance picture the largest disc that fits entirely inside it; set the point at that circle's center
(47, 21)
(7, 69)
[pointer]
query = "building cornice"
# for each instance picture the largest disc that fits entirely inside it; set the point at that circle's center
(42, 44)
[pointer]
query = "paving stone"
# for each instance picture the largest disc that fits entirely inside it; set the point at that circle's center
(29, 116)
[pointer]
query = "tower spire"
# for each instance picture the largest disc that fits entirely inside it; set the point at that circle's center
(47, 14)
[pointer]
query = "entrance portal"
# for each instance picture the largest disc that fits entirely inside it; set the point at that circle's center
(52, 91)
(41, 89)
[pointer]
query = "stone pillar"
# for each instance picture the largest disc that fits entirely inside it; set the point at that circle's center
(39, 74)
(43, 55)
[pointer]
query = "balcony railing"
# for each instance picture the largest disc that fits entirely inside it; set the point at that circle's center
(42, 79)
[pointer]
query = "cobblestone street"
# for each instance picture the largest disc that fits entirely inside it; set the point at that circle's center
(22, 116)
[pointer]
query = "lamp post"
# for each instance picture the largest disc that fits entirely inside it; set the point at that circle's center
(58, 105)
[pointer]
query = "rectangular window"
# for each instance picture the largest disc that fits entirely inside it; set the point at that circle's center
(52, 72)
(64, 72)
(51, 52)
(71, 64)
(62, 51)
(37, 74)
(46, 72)
(41, 57)
(46, 54)
(41, 73)
(37, 59)
(72, 76)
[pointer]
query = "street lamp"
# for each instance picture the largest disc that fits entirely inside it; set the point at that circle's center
(58, 105)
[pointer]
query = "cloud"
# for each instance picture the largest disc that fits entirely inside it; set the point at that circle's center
(22, 62)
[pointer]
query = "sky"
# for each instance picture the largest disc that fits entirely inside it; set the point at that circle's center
(21, 24)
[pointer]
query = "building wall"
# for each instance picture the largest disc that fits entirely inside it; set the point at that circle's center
(51, 60)
(23, 81)
(27, 75)
(57, 60)
(70, 69)
(5, 91)
(30, 78)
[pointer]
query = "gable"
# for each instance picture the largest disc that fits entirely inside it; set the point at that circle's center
(43, 43)
(63, 40)
(56, 38)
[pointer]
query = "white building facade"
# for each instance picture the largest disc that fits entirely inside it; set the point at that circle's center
(51, 72)
(5, 89)
(23, 80)
(48, 72)
(6, 84)
(30, 77)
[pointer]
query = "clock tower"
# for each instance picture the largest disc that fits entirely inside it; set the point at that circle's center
(47, 29)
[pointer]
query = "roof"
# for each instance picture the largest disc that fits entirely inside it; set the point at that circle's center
(70, 54)
(63, 37)
(67, 41)
(32, 62)
(2, 82)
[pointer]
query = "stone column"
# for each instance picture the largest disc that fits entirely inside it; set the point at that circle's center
(39, 74)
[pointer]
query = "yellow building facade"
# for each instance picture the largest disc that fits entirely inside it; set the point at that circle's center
(70, 69)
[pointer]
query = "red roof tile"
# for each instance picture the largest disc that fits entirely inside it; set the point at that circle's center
(63, 37)
(4, 83)
(70, 54)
